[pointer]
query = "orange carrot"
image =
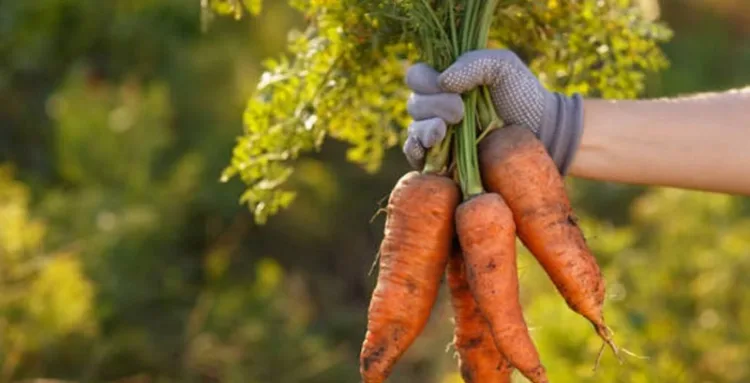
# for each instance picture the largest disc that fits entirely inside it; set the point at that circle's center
(478, 358)
(487, 234)
(515, 164)
(413, 255)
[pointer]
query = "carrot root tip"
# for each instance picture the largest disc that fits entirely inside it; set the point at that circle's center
(449, 346)
(377, 213)
(633, 354)
(606, 334)
(374, 264)
(599, 356)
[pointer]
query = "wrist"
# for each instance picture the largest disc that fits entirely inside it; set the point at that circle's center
(562, 128)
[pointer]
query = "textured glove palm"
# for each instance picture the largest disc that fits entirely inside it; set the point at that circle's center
(518, 97)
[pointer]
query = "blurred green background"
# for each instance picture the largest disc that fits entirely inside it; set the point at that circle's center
(124, 259)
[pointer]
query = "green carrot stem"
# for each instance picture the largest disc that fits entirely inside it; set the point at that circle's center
(487, 102)
(476, 18)
(452, 22)
(495, 124)
(488, 114)
(468, 163)
(436, 161)
(477, 104)
(487, 15)
(485, 112)
(469, 24)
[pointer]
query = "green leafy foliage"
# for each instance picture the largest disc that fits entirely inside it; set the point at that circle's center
(234, 8)
(343, 77)
(340, 83)
(596, 48)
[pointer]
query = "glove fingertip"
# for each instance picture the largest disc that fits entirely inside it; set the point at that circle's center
(414, 153)
(422, 78)
(429, 132)
(455, 113)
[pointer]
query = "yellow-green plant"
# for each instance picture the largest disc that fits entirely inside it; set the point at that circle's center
(343, 75)
(44, 296)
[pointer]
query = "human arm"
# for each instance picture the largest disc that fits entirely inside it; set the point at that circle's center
(697, 142)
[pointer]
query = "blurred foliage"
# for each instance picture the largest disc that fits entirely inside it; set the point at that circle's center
(124, 259)
(677, 295)
(44, 296)
(344, 78)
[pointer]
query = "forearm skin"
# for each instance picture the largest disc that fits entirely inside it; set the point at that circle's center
(699, 142)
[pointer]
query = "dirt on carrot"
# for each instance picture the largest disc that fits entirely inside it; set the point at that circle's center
(487, 234)
(515, 164)
(479, 361)
(414, 252)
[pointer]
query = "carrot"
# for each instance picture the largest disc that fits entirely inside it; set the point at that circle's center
(413, 255)
(478, 358)
(515, 164)
(487, 234)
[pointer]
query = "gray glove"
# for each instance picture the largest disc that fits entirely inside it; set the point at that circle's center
(518, 97)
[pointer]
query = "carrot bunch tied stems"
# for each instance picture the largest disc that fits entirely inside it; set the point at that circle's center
(460, 217)
(478, 110)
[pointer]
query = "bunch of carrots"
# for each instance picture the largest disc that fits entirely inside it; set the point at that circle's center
(482, 186)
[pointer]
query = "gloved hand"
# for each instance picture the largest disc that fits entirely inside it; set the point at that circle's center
(518, 97)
